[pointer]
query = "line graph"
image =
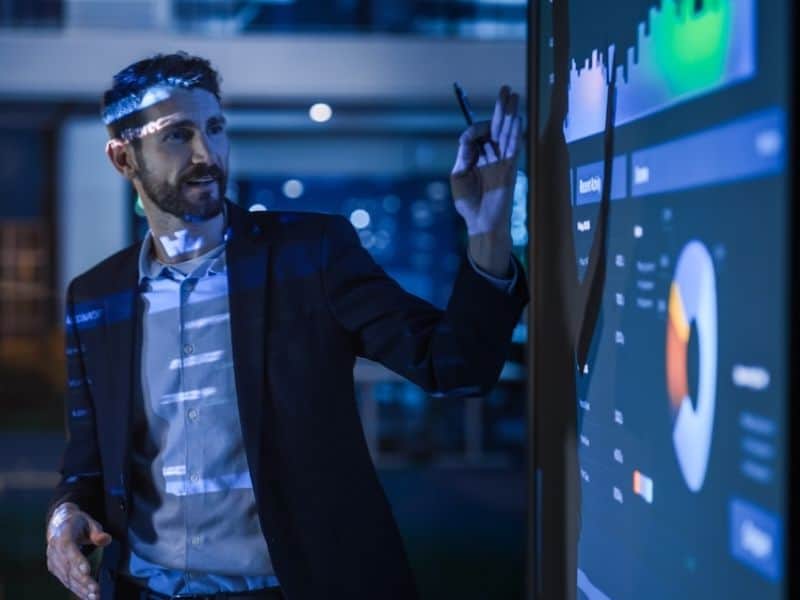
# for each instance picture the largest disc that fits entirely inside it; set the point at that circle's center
(680, 53)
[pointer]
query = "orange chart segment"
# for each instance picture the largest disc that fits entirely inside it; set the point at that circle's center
(693, 300)
(678, 330)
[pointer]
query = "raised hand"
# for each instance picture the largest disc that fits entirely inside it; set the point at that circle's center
(482, 181)
(68, 528)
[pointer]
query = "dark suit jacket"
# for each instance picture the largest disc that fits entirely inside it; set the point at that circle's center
(305, 300)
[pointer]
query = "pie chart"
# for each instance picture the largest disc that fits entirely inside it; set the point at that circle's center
(692, 301)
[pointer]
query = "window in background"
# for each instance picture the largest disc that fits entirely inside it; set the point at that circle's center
(470, 18)
(484, 19)
(31, 350)
(24, 271)
(25, 274)
(31, 13)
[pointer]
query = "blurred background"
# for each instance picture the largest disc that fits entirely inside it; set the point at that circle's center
(343, 107)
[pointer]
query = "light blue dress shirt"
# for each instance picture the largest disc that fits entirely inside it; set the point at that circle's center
(194, 525)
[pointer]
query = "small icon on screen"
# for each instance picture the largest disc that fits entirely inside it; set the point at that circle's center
(756, 538)
(643, 486)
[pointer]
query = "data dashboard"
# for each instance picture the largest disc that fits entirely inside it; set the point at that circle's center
(683, 402)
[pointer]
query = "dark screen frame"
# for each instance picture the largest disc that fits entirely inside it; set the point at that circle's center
(792, 554)
(532, 94)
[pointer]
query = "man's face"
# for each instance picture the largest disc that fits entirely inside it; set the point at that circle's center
(182, 156)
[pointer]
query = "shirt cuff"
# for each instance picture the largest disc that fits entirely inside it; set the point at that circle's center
(504, 284)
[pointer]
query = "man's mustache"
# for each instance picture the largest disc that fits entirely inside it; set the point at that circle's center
(202, 171)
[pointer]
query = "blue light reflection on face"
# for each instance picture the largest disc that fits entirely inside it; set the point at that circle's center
(132, 103)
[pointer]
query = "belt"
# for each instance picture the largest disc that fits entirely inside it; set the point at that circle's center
(127, 590)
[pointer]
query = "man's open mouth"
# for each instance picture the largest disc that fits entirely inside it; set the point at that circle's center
(200, 181)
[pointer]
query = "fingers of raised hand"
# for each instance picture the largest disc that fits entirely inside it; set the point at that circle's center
(470, 145)
(499, 111)
(509, 117)
(466, 158)
(491, 153)
(514, 138)
(487, 142)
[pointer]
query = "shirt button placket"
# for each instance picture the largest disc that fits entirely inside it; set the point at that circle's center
(187, 350)
(186, 289)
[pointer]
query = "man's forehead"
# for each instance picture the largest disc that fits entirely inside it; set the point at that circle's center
(177, 104)
(163, 106)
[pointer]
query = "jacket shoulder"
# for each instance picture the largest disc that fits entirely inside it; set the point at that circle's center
(282, 222)
(301, 225)
(299, 219)
(105, 276)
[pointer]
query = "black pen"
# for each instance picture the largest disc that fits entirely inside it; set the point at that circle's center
(461, 96)
(469, 116)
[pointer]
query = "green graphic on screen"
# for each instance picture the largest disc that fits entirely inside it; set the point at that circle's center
(680, 54)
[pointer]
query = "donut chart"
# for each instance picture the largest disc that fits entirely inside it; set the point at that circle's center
(692, 301)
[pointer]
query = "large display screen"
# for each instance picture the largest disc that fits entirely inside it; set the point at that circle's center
(682, 406)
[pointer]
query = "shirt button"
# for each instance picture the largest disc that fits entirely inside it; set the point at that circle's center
(195, 477)
(188, 348)
(193, 414)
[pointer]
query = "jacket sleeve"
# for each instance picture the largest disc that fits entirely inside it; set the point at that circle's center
(456, 352)
(80, 469)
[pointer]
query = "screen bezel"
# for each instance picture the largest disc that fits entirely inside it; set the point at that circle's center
(793, 413)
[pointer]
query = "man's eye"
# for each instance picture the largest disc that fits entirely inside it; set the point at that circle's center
(178, 134)
(218, 128)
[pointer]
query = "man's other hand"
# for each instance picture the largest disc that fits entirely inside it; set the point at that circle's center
(70, 527)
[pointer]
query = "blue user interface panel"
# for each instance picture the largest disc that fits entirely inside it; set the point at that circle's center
(682, 406)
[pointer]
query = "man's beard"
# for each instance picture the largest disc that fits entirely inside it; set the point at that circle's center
(170, 198)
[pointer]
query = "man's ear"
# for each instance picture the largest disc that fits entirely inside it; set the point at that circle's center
(122, 157)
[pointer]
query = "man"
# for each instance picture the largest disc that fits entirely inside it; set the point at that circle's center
(214, 446)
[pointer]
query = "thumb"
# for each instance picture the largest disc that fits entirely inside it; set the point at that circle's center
(478, 132)
(97, 536)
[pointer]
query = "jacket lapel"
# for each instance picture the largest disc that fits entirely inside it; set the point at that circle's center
(117, 381)
(247, 259)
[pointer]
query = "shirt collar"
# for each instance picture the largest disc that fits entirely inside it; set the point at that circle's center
(209, 263)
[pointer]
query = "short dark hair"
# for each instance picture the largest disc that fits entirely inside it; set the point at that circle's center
(176, 70)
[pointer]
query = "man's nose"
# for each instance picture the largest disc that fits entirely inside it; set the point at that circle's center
(201, 149)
